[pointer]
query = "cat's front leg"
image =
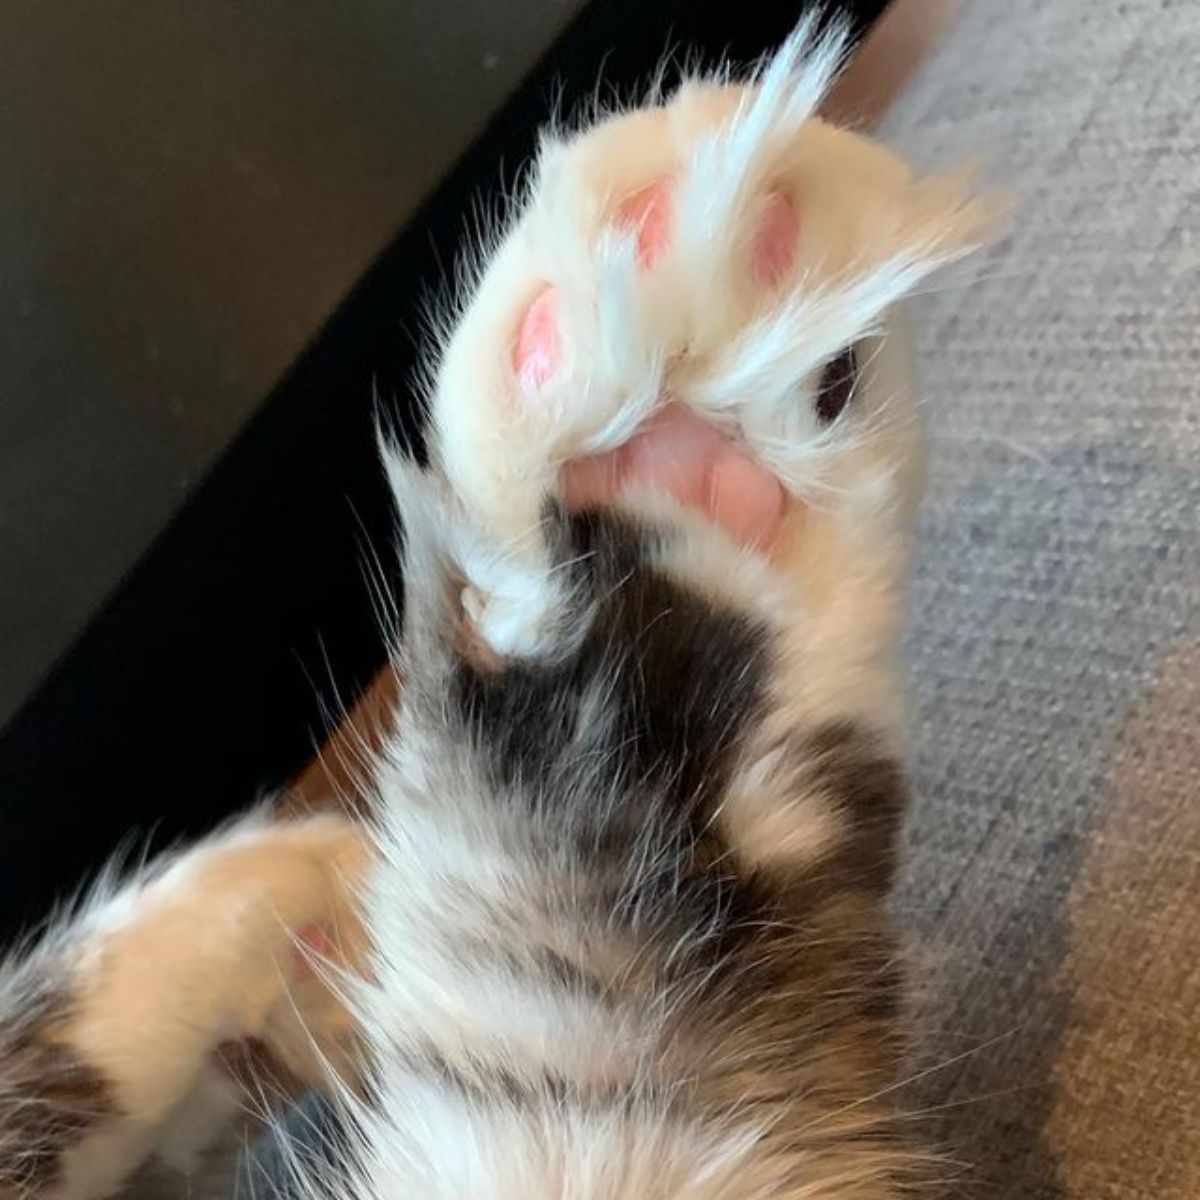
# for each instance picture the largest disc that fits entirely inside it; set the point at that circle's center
(116, 1028)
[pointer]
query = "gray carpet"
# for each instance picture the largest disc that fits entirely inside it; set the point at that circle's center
(1052, 879)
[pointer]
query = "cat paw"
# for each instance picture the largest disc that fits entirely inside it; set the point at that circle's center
(725, 264)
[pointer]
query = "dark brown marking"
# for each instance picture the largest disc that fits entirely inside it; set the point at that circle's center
(845, 762)
(837, 385)
(50, 1098)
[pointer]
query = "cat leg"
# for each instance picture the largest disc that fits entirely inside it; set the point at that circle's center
(114, 1027)
(727, 262)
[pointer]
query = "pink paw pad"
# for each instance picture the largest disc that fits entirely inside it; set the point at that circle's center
(314, 944)
(535, 351)
(774, 248)
(649, 211)
(675, 450)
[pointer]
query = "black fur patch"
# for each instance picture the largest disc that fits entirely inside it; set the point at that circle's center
(836, 389)
(681, 680)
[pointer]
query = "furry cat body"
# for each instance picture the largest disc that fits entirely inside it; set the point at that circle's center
(614, 927)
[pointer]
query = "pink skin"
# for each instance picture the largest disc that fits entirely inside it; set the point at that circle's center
(315, 944)
(678, 451)
(674, 450)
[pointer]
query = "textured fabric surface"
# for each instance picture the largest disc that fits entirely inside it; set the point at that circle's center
(1052, 880)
